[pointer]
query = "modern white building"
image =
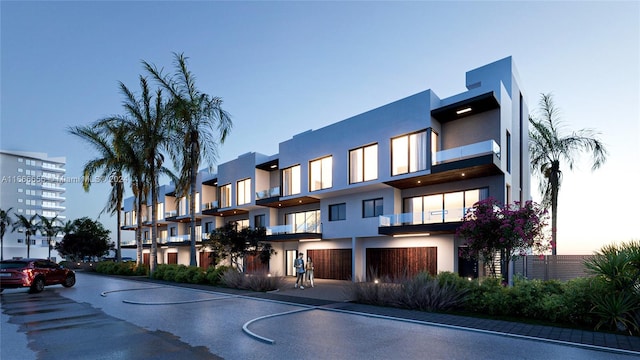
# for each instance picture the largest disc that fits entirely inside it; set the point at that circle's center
(379, 193)
(32, 185)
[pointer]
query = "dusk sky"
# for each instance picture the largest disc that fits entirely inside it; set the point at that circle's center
(286, 67)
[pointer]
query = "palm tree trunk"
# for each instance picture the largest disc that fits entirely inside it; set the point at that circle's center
(154, 228)
(119, 236)
(555, 184)
(192, 210)
(28, 244)
(139, 232)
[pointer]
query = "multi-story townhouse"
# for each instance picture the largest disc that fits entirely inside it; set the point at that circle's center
(32, 184)
(377, 194)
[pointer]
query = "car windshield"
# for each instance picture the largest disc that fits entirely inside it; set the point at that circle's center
(12, 264)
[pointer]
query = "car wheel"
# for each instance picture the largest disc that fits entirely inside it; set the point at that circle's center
(69, 281)
(38, 285)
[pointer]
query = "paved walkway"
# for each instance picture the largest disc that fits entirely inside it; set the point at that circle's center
(336, 294)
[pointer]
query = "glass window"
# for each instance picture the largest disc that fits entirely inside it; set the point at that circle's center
(409, 153)
(338, 212)
(454, 206)
(363, 164)
(437, 208)
(244, 191)
(291, 181)
(372, 208)
(225, 196)
(434, 147)
(305, 221)
(320, 174)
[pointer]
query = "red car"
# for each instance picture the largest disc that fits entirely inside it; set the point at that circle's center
(34, 274)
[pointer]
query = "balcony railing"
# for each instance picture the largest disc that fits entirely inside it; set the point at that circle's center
(265, 194)
(290, 229)
(420, 218)
(210, 205)
(467, 151)
(170, 213)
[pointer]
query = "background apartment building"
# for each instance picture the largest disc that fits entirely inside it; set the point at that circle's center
(377, 194)
(31, 185)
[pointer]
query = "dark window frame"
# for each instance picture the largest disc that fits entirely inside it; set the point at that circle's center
(375, 207)
(338, 212)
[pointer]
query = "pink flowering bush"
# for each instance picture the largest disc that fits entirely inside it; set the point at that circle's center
(491, 229)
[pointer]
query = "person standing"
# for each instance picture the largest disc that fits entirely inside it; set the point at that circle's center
(299, 264)
(309, 269)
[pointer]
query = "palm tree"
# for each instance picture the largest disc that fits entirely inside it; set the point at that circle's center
(29, 226)
(196, 116)
(49, 229)
(549, 147)
(147, 125)
(5, 222)
(109, 163)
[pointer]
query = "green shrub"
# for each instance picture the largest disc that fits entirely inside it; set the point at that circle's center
(213, 275)
(617, 311)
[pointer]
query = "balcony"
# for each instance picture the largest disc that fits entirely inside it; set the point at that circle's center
(431, 222)
(460, 163)
(210, 205)
(291, 232)
(269, 193)
(467, 152)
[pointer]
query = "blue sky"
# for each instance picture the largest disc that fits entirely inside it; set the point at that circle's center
(286, 67)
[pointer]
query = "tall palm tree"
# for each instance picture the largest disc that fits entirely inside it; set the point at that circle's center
(109, 163)
(5, 222)
(49, 229)
(147, 125)
(196, 116)
(29, 226)
(549, 147)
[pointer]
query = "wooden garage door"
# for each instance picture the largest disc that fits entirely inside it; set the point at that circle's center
(205, 260)
(253, 265)
(397, 263)
(331, 263)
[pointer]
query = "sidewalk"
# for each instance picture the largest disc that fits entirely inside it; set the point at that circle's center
(335, 294)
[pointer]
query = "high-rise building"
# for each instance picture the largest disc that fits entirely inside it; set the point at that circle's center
(33, 187)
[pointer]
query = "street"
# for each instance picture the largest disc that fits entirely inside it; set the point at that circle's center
(112, 318)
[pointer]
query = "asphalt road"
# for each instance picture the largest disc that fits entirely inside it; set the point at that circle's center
(110, 318)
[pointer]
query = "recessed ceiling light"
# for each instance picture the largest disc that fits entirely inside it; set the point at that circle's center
(462, 111)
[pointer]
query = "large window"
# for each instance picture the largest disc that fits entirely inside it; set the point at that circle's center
(363, 164)
(448, 207)
(338, 212)
(225, 196)
(304, 221)
(320, 174)
(291, 181)
(244, 191)
(409, 153)
(372, 208)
